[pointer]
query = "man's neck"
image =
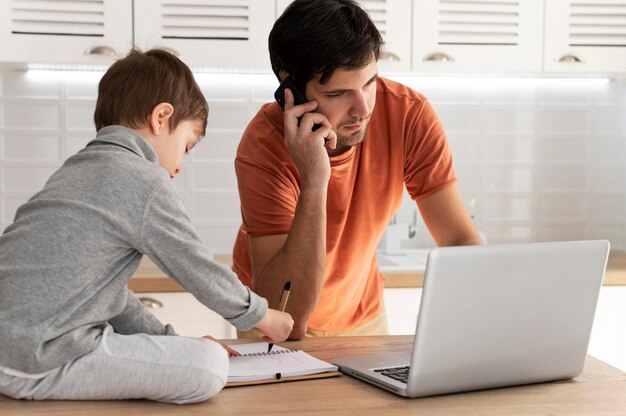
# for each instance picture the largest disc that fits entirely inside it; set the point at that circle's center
(338, 150)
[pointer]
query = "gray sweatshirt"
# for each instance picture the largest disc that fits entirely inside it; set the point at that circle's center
(66, 260)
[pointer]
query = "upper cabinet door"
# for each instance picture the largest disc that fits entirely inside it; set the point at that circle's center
(65, 31)
(393, 20)
(477, 35)
(207, 33)
(585, 36)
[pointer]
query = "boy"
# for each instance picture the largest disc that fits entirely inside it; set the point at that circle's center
(70, 328)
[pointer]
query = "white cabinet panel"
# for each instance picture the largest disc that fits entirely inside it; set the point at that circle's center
(65, 31)
(585, 36)
(477, 35)
(187, 315)
(207, 33)
(393, 20)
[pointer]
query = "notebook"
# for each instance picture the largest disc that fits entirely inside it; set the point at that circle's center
(255, 365)
(495, 316)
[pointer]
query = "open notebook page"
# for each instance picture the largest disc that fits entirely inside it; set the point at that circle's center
(258, 364)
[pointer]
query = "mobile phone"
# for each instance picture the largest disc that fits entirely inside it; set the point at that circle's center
(298, 97)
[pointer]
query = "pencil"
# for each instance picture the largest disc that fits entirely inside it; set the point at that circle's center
(283, 303)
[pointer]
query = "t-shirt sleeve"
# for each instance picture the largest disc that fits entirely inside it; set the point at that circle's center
(170, 241)
(428, 166)
(268, 191)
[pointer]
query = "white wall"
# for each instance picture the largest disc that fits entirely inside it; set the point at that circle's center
(537, 159)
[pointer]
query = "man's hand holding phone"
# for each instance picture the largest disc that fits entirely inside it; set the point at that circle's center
(306, 144)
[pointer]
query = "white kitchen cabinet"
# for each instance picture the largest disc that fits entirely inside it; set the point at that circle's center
(393, 21)
(207, 33)
(203, 33)
(585, 36)
(486, 36)
(187, 315)
(64, 31)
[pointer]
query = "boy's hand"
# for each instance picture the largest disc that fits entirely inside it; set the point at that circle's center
(276, 326)
(231, 352)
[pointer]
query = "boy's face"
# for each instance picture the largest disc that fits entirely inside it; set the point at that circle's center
(176, 143)
(347, 100)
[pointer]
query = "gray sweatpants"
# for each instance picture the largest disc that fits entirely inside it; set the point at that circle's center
(164, 368)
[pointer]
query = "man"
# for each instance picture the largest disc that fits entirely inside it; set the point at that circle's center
(316, 200)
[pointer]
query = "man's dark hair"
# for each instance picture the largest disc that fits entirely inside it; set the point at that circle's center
(320, 36)
(134, 85)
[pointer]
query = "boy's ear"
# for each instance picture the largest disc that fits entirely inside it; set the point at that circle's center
(159, 117)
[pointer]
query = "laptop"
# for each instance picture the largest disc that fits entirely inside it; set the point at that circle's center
(494, 316)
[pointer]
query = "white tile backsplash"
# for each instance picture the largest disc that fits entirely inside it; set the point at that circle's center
(607, 148)
(569, 148)
(8, 206)
(536, 160)
(32, 147)
(79, 116)
(508, 207)
(19, 86)
(460, 119)
(563, 120)
(518, 120)
(32, 115)
(508, 148)
(223, 116)
(607, 178)
(565, 208)
(506, 177)
(560, 178)
(216, 206)
(27, 179)
(609, 120)
(214, 176)
(217, 145)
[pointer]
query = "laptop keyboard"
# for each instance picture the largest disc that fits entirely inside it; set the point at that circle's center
(396, 373)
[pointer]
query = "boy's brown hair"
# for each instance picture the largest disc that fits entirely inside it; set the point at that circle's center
(134, 85)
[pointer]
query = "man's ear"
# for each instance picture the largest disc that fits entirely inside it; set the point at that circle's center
(283, 74)
(159, 117)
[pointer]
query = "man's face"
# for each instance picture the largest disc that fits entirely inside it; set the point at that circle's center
(347, 100)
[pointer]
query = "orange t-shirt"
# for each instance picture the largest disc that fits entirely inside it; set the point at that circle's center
(405, 144)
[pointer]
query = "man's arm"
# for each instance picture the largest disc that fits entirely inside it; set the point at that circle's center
(447, 218)
(300, 255)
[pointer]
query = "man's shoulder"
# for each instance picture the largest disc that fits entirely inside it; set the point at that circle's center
(388, 89)
(265, 130)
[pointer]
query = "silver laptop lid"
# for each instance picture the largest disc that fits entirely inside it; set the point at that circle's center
(502, 315)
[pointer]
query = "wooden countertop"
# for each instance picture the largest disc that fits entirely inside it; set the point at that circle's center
(148, 277)
(598, 391)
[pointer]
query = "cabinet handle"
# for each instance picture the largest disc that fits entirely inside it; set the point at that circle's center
(438, 57)
(150, 302)
(389, 56)
(102, 51)
(570, 59)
